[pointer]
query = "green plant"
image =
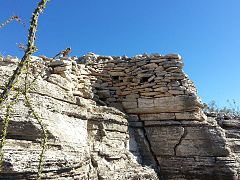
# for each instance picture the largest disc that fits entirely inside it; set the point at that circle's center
(212, 107)
(232, 108)
(23, 68)
(12, 18)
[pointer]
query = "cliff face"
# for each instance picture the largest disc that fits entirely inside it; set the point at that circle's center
(86, 141)
(115, 118)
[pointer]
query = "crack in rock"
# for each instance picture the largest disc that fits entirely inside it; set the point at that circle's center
(157, 164)
(183, 135)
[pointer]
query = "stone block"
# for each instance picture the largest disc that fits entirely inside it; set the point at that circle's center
(164, 139)
(59, 69)
(150, 66)
(151, 78)
(83, 101)
(149, 94)
(103, 94)
(157, 116)
(146, 85)
(157, 60)
(173, 56)
(166, 104)
(203, 141)
(136, 124)
(176, 92)
(117, 73)
(61, 82)
(231, 123)
(56, 63)
(195, 115)
(131, 97)
(161, 89)
(129, 104)
(141, 63)
(133, 117)
(161, 123)
(123, 93)
(145, 103)
(176, 103)
(144, 75)
(83, 93)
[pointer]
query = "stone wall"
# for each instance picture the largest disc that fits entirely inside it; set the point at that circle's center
(152, 86)
(166, 128)
(162, 103)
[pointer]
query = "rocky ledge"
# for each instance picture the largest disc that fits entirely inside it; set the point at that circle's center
(116, 118)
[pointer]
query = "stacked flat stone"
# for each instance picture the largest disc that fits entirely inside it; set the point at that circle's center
(165, 128)
(72, 77)
(146, 84)
(153, 87)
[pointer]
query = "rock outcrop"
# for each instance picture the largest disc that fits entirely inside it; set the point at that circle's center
(231, 125)
(116, 118)
(85, 141)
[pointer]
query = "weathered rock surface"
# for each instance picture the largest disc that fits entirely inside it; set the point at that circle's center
(85, 141)
(231, 125)
(118, 118)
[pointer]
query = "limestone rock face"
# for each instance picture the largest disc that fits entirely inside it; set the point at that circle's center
(231, 127)
(116, 118)
(85, 141)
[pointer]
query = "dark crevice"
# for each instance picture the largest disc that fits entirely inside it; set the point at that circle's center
(75, 115)
(177, 124)
(118, 131)
(158, 168)
(31, 175)
(184, 134)
(59, 99)
(108, 121)
(66, 89)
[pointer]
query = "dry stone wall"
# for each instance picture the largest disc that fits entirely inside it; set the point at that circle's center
(162, 103)
(166, 128)
(147, 85)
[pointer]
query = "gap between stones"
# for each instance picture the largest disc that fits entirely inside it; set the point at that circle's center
(158, 168)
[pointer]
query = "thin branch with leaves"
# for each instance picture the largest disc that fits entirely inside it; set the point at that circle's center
(12, 18)
(23, 66)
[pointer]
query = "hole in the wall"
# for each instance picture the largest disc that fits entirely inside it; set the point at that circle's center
(115, 78)
(144, 79)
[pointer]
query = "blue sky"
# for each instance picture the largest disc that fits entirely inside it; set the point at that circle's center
(206, 33)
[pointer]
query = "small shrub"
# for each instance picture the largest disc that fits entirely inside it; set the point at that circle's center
(232, 108)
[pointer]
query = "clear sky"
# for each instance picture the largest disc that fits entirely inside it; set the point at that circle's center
(205, 32)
